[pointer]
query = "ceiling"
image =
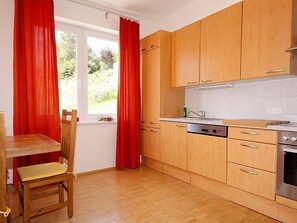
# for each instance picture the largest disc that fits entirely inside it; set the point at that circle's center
(152, 10)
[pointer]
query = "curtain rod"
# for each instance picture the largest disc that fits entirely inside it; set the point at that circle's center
(103, 9)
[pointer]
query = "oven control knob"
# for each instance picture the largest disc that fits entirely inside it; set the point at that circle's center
(293, 139)
(285, 138)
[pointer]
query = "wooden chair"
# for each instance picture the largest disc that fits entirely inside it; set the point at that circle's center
(56, 173)
(4, 210)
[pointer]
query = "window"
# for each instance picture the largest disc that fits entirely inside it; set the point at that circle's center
(88, 71)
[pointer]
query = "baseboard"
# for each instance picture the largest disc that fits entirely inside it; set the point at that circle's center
(95, 171)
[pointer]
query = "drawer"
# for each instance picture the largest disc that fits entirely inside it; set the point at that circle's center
(252, 154)
(255, 135)
(255, 181)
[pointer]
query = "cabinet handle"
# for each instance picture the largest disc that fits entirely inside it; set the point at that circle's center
(142, 121)
(154, 131)
(143, 50)
(207, 80)
(154, 45)
(249, 172)
(275, 71)
(250, 146)
(249, 133)
(180, 126)
(291, 49)
(192, 82)
(143, 129)
(154, 123)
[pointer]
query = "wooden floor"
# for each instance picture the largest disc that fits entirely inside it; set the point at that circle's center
(142, 195)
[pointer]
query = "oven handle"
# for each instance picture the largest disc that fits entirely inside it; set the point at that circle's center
(289, 150)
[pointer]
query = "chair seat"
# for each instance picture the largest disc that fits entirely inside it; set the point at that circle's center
(35, 172)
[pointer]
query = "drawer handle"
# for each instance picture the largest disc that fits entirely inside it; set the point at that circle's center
(250, 146)
(208, 80)
(154, 131)
(249, 172)
(154, 45)
(143, 129)
(142, 121)
(192, 82)
(154, 123)
(181, 126)
(275, 71)
(249, 133)
(143, 50)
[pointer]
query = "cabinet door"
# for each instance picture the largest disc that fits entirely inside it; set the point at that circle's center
(154, 86)
(144, 89)
(173, 144)
(207, 156)
(154, 148)
(186, 55)
(144, 141)
(221, 45)
(267, 28)
(252, 180)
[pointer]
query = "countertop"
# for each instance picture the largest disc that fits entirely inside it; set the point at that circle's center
(284, 127)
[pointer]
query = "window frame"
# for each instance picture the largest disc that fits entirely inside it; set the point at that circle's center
(82, 34)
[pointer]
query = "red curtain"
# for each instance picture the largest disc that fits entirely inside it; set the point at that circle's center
(128, 130)
(36, 95)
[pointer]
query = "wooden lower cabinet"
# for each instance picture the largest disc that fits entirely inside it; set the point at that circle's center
(173, 144)
(252, 154)
(149, 143)
(252, 180)
(144, 141)
(207, 156)
(154, 148)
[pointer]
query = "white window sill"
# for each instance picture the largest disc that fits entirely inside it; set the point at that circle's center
(95, 122)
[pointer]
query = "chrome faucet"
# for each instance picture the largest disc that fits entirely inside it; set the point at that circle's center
(199, 114)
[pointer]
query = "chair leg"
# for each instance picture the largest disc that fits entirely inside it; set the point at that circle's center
(26, 204)
(70, 197)
(61, 192)
(20, 199)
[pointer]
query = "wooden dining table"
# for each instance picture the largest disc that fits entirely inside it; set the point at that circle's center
(24, 145)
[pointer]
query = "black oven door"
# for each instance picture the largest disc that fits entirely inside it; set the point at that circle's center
(286, 184)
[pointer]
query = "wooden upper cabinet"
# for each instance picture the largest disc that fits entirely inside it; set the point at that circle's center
(158, 98)
(150, 42)
(267, 29)
(186, 55)
(221, 45)
(154, 86)
(144, 65)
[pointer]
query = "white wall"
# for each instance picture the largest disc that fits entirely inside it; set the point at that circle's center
(186, 15)
(95, 147)
(274, 100)
(6, 41)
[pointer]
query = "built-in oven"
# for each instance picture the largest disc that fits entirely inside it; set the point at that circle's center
(286, 184)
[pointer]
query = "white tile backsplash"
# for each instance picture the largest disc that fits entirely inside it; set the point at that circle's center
(275, 99)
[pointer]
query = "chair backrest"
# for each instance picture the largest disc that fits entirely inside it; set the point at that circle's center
(68, 136)
(2, 166)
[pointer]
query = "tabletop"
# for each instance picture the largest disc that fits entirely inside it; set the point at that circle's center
(30, 144)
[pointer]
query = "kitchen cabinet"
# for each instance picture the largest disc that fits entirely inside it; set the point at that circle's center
(149, 143)
(158, 99)
(252, 160)
(186, 56)
(267, 33)
(252, 180)
(144, 141)
(221, 45)
(173, 144)
(207, 156)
